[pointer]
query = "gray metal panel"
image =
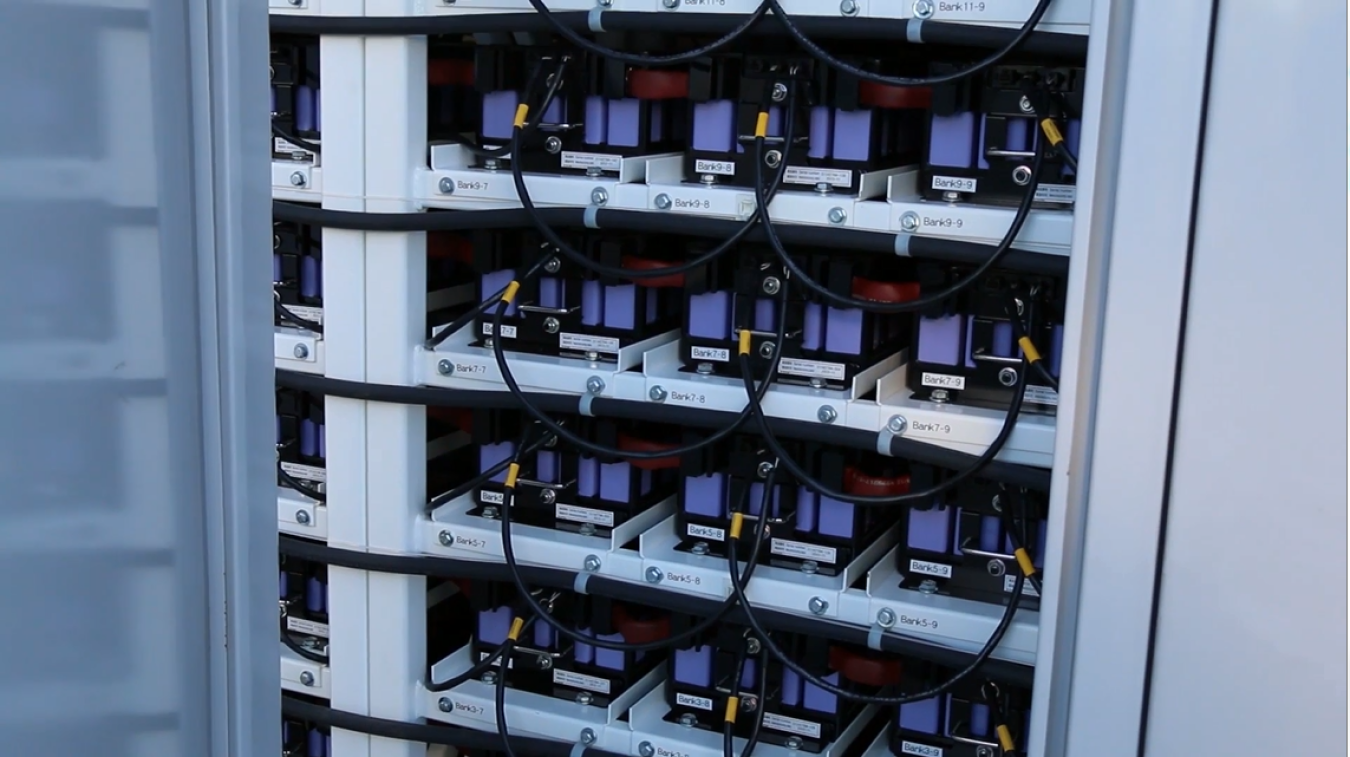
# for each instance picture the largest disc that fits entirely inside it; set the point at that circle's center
(1249, 650)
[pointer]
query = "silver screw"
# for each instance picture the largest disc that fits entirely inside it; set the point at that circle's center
(708, 179)
(939, 396)
(594, 172)
(553, 145)
(818, 606)
(824, 187)
(818, 383)
(984, 751)
(897, 424)
(446, 186)
(445, 367)
(826, 414)
(1007, 376)
(749, 703)
(586, 529)
(793, 742)
(837, 215)
(654, 575)
(599, 196)
(766, 350)
(585, 697)
(595, 385)
(996, 503)
(592, 356)
(490, 513)
(553, 265)
(296, 3)
(886, 617)
(645, 749)
(1025, 105)
(445, 705)
(752, 645)
(662, 201)
(923, 8)
(771, 285)
(688, 720)
(951, 196)
(809, 567)
(848, 7)
(544, 662)
(928, 586)
(297, 179)
(587, 736)
(302, 517)
(307, 678)
(488, 343)
(591, 563)
(490, 677)
(996, 568)
(779, 93)
(772, 158)
(1021, 176)
(604, 3)
(445, 538)
(670, 5)
(491, 164)
(909, 221)
(551, 325)
(657, 394)
(703, 369)
(764, 469)
(548, 496)
(300, 351)
(700, 548)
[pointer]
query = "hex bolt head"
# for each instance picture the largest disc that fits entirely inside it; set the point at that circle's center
(1007, 376)
(849, 7)
(553, 145)
(307, 678)
(490, 677)
(662, 201)
(1025, 105)
(984, 751)
(604, 3)
(591, 564)
(766, 350)
(826, 414)
(544, 662)
(940, 396)
(688, 720)
(445, 705)
(749, 703)
(780, 92)
(296, 3)
(445, 367)
(586, 529)
(599, 196)
(809, 567)
(548, 496)
(446, 186)
(551, 325)
(297, 179)
(837, 215)
(654, 575)
(300, 351)
(764, 469)
(553, 265)
(928, 586)
(772, 158)
(491, 164)
(1021, 176)
(909, 221)
(793, 742)
(886, 617)
(595, 385)
(771, 285)
(302, 517)
(587, 736)
(817, 606)
(490, 513)
(897, 424)
(699, 548)
(657, 394)
(645, 749)
(445, 538)
(923, 8)
(752, 645)
(996, 568)
(586, 697)
(670, 5)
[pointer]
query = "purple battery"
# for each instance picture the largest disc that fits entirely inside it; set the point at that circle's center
(494, 625)
(1056, 349)
(620, 306)
(584, 653)
(930, 530)
(492, 283)
(843, 331)
(318, 109)
(278, 429)
(615, 481)
(710, 315)
(853, 135)
(588, 477)
(316, 595)
(757, 500)
(656, 112)
(978, 723)
(766, 315)
(818, 699)
(749, 674)
(596, 121)
(499, 115)
(323, 440)
(546, 467)
(835, 518)
(940, 340)
(274, 100)
(310, 283)
(276, 269)
(316, 745)
(1071, 138)
(304, 108)
(951, 142)
(309, 438)
(813, 326)
(694, 666)
(714, 126)
(592, 302)
(550, 292)
(924, 716)
(284, 585)
(704, 495)
(821, 132)
(609, 658)
(544, 636)
(555, 113)
(492, 454)
(792, 688)
(1041, 537)
(624, 123)
(807, 510)
(1020, 137)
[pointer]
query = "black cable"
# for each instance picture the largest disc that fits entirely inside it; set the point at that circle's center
(544, 440)
(1016, 523)
(499, 699)
(478, 669)
(302, 143)
(299, 649)
(473, 313)
(531, 125)
(819, 53)
(291, 482)
(761, 702)
(909, 306)
(650, 60)
(1013, 310)
(285, 314)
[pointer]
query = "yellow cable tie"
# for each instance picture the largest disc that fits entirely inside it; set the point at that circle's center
(513, 287)
(762, 124)
(1005, 738)
(1024, 562)
(733, 707)
(522, 111)
(517, 626)
(737, 520)
(1029, 349)
(1051, 131)
(512, 472)
(745, 342)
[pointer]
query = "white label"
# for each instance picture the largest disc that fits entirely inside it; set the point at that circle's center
(665, 751)
(1065, 193)
(580, 681)
(691, 580)
(813, 176)
(715, 167)
(966, 7)
(706, 532)
(306, 472)
(930, 568)
(508, 332)
(473, 186)
(473, 370)
(690, 204)
(916, 623)
(591, 160)
(943, 381)
(792, 725)
(491, 498)
(803, 551)
(305, 312)
(954, 184)
(698, 703)
(281, 145)
(691, 398)
(311, 628)
(475, 711)
(811, 369)
(583, 515)
(586, 343)
(921, 750)
(1027, 589)
(715, 354)
(1042, 395)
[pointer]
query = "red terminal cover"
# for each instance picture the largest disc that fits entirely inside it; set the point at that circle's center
(647, 84)
(864, 668)
(889, 97)
(673, 280)
(635, 631)
(442, 245)
(449, 72)
(633, 444)
(857, 482)
(885, 291)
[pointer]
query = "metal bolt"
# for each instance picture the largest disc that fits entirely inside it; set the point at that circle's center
(595, 385)
(553, 145)
(707, 178)
(886, 617)
(1025, 105)
(779, 93)
(771, 285)
(587, 736)
(657, 394)
(764, 469)
(594, 172)
(551, 325)
(544, 662)
(928, 586)
(923, 8)
(300, 351)
(951, 196)
(591, 563)
(446, 186)
(296, 3)
(490, 513)
(699, 548)
(297, 179)
(793, 743)
(984, 751)
(688, 720)
(548, 496)
(703, 369)
(809, 567)
(592, 356)
(488, 343)
(996, 568)
(585, 697)
(766, 350)
(826, 414)
(1021, 176)
(604, 3)
(909, 221)
(586, 529)
(939, 396)
(1007, 376)
(491, 164)
(445, 367)
(553, 265)
(302, 517)
(897, 424)
(662, 201)
(772, 158)
(654, 575)
(307, 678)
(752, 645)
(837, 215)
(599, 196)
(818, 383)
(997, 503)
(670, 5)
(445, 538)
(749, 703)
(824, 187)
(645, 749)
(445, 705)
(490, 677)
(848, 7)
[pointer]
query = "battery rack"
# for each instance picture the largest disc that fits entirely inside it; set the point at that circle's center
(639, 401)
